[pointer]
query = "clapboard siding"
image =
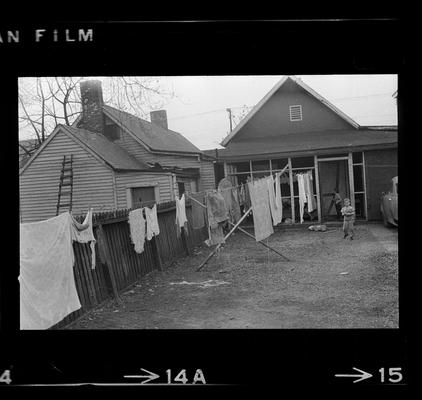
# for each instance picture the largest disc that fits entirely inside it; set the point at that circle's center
(39, 183)
(128, 179)
(207, 181)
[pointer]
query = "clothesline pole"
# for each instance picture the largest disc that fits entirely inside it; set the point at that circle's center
(225, 238)
(253, 237)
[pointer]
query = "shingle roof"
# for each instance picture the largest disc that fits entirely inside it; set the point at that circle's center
(112, 154)
(309, 141)
(153, 136)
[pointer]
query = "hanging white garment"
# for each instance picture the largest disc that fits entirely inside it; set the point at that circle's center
(302, 195)
(309, 192)
(47, 285)
(258, 191)
(137, 229)
(181, 219)
(152, 221)
(83, 233)
(275, 212)
(278, 201)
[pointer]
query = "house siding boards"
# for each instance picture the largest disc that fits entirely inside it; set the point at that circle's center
(127, 180)
(207, 181)
(39, 183)
(273, 118)
(380, 168)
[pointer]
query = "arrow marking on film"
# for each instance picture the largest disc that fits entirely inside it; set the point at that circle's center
(363, 375)
(151, 376)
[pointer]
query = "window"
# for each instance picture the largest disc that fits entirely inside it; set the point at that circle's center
(181, 188)
(143, 196)
(295, 113)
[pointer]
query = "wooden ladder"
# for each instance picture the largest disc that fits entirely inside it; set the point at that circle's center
(66, 180)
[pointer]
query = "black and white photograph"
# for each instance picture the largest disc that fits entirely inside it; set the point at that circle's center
(208, 202)
(200, 202)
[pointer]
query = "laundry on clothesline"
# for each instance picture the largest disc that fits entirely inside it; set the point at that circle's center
(181, 220)
(199, 211)
(83, 233)
(258, 191)
(275, 205)
(47, 285)
(137, 229)
(151, 222)
(217, 217)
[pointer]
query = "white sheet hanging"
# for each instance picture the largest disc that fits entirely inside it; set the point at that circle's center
(302, 195)
(47, 285)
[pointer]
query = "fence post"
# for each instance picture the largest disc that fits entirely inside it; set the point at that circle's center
(156, 253)
(106, 259)
(185, 241)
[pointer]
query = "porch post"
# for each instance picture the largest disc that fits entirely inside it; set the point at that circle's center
(364, 185)
(351, 181)
(317, 188)
(292, 199)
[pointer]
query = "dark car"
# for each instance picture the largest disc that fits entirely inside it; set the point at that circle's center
(389, 204)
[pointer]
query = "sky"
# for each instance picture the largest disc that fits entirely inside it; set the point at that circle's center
(198, 108)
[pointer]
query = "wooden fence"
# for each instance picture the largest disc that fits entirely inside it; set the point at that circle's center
(118, 266)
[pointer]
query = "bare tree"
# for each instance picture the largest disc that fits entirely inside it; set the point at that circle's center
(46, 102)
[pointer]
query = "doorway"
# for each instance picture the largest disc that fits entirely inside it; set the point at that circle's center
(333, 174)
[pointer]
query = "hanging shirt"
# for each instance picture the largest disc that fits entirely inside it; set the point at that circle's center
(181, 220)
(302, 195)
(258, 192)
(137, 229)
(278, 201)
(275, 211)
(199, 213)
(311, 191)
(152, 222)
(47, 286)
(83, 233)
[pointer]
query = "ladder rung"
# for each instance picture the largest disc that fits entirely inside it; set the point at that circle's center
(64, 205)
(67, 169)
(65, 193)
(66, 184)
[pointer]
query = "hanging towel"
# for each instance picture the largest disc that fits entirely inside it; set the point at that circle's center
(152, 222)
(181, 220)
(258, 192)
(47, 286)
(199, 213)
(275, 211)
(302, 195)
(83, 233)
(278, 201)
(137, 229)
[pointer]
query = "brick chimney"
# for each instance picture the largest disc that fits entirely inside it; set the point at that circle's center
(159, 118)
(92, 102)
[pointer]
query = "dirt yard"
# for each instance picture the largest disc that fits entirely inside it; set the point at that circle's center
(330, 282)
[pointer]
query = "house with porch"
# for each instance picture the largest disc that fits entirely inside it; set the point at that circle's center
(295, 126)
(118, 161)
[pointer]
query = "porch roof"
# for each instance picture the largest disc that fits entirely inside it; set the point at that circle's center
(309, 143)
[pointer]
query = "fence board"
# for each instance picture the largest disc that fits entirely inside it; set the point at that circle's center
(127, 266)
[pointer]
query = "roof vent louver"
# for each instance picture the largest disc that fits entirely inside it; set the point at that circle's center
(296, 113)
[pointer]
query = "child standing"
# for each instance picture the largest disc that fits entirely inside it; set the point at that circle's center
(348, 213)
